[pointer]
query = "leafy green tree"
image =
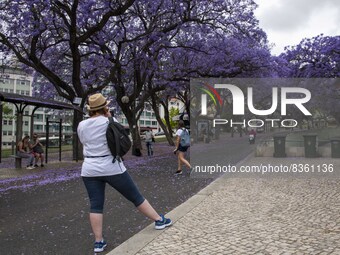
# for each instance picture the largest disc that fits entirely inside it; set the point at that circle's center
(7, 112)
(172, 113)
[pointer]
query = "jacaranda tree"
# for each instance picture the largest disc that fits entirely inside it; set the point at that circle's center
(54, 39)
(141, 48)
(137, 47)
(230, 45)
(318, 57)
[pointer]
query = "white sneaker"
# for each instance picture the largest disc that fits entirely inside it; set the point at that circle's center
(30, 167)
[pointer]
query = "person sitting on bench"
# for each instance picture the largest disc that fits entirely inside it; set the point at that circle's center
(38, 151)
(23, 151)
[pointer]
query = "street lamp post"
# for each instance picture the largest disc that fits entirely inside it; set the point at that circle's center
(134, 131)
(77, 149)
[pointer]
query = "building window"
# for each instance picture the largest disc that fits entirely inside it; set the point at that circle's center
(10, 122)
(27, 93)
(4, 132)
(22, 92)
(26, 113)
(154, 123)
(147, 122)
(9, 133)
(6, 90)
(141, 122)
(5, 81)
(26, 123)
(39, 116)
(22, 82)
(5, 122)
(11, 90)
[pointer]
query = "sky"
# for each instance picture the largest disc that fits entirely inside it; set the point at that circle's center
(287, 22)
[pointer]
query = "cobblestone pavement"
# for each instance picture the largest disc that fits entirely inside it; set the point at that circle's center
(258, 216)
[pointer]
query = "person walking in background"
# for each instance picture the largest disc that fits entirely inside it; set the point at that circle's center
(24, 151)
(182, 145)
(99, 168)
(252, 132)
(149, 138)
(38, 150)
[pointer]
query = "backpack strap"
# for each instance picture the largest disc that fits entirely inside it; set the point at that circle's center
(116, 140)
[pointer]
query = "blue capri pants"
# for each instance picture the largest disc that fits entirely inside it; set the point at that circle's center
(123, 183)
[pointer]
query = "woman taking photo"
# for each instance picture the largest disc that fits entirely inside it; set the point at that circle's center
(99, 168)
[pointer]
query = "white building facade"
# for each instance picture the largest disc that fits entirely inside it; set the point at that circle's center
(14, 80)
(147, 119)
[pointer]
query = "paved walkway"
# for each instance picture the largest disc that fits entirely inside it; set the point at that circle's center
(253, 214)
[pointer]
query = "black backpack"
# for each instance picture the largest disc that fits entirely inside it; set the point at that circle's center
(117, 140)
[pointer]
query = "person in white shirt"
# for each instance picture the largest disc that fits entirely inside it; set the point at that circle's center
(180, 150)
(148, 140)
(99, 168)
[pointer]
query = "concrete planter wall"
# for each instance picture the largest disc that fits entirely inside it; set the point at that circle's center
(267, 150)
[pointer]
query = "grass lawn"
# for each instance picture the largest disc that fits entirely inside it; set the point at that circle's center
(7, 152)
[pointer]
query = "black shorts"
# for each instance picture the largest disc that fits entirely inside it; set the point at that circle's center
(183, 148)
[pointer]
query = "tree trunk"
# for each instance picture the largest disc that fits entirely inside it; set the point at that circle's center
(136, 140)
(155, 108)
(167, 116)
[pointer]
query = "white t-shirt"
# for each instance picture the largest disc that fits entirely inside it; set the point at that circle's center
(92, 134)
(148, 136)
(179, 132)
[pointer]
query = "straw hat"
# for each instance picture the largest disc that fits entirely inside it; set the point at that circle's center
(96, 102)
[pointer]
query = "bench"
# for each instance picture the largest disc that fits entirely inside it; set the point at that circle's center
(18, 160)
